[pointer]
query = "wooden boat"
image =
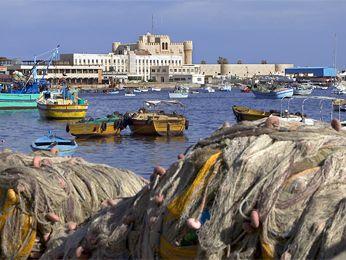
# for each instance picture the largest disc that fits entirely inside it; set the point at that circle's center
(243, 113)
(152, 121)
(59, 105)
(63, 146)
(277, 93)
(18, 101)
(105, 126)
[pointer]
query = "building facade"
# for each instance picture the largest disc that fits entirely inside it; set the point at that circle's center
(157, 45)
(135, 59)
(242, 70)
(172, 73)
(74, 75)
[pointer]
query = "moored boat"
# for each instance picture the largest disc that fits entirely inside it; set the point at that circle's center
(62, 146)
(209, 90)
(243, 113)
(62, 105)
(98, 127)
(301, 91)
(18, 101)
(24, 93)
(156, 89)
(226, 88)
(277, 93)
(179, 92)
(152, 121)
(339, 105)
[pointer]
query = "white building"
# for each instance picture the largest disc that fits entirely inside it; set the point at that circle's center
(135, 64)
(75, 75)
(172, 73)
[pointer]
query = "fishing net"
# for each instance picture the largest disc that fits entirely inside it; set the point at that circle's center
(43, 197)
(248, 191)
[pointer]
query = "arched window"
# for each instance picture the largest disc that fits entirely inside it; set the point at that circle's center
(166, 45)
(163, 46)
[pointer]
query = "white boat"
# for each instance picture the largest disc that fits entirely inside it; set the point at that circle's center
(194, 92)
(209, 90)
(156, 89)
(225, 88)
(129, 94)
(137, 90)
(179, 92)
(144, 90)
(300, 91)
(113, 92)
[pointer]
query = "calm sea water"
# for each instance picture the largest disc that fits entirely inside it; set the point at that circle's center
(205, 111)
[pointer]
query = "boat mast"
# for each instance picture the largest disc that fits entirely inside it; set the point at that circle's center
(334, 58)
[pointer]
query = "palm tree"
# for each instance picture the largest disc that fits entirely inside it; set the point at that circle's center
(222, 60)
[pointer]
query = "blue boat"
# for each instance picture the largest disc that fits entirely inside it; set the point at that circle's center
(47, 143)
(274, 94)
(23, 95)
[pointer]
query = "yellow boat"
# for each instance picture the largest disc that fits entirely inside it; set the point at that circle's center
(243, 113)
(105, 126)
(153, 122)
(55, 105)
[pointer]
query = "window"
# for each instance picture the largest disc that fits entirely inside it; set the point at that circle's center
(153, 70)
(164, 70)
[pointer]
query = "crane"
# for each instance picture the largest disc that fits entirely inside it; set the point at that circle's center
(34, 87)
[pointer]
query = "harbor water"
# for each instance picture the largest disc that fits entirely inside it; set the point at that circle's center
(206, 112)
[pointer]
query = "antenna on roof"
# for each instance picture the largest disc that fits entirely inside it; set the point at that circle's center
(152, 24)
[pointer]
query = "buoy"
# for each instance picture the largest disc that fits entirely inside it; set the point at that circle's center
(79, 251)
(248, 227)
(53, 217)
(159, 199)
(47, 162)
(255, 219)
(181, 156)
(193, 223)
(335, 123)
(54, 151)
(37, 161)
(272, 122)
(71, 225)
(159, 170)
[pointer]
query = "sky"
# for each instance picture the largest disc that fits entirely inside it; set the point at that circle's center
(301, 32)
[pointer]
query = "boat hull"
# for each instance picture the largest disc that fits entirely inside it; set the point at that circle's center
(18, 101)
(92, 129)
(302, 92)
(178, 95)
(286, 93)
(62, 112)
(171, 127)
(247, 114)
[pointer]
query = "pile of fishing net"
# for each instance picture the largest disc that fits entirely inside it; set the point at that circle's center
(44, 197)
(262, 189)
